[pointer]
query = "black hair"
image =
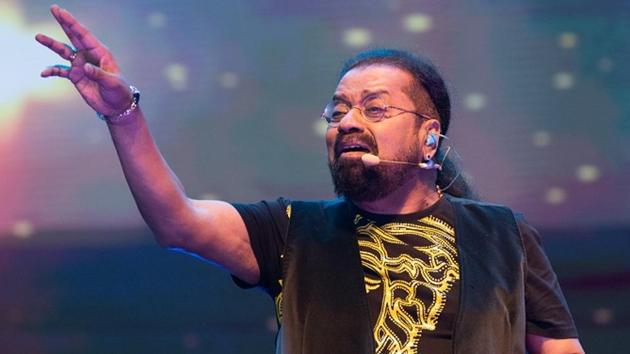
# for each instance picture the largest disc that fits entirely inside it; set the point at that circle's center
(427, 78)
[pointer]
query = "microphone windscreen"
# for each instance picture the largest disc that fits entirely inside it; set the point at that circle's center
(370, 160)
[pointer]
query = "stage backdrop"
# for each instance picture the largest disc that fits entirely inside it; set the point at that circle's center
(233, 92)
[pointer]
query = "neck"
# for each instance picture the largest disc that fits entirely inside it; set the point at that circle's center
(415, 195)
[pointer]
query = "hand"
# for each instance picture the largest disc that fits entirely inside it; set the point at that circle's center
(92, 70)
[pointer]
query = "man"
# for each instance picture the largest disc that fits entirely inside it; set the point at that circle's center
(398, 264)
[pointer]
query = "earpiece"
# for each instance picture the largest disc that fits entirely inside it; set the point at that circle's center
(429, 164)
(431, 140)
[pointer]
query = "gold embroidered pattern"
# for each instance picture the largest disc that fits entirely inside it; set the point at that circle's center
(278, 299)
(433, 266)
(278, 302)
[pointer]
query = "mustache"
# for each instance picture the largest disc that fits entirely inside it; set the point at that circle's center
(355, 138)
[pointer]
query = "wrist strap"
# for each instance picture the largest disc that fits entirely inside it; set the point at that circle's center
(134, 104)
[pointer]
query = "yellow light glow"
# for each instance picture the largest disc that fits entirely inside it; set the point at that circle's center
(177, 76)
(567, 40)
(541, 138)
(156, 20)
(23, 229)
(588, 173)
(563, 81)
(555, 196)
(418, 23)
(320, 127)
(475, 101)
(22, 63)
(357, 37)
(228, 80)
(209, 196)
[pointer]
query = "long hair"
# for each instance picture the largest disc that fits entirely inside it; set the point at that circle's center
(451, 178)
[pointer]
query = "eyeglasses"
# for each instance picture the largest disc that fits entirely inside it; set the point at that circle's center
(372, 112)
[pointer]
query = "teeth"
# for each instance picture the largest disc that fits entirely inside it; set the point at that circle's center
(354, 148)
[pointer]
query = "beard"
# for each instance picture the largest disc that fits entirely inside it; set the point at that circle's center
(358, 183)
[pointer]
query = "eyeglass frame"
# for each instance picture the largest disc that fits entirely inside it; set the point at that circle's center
(333, 124)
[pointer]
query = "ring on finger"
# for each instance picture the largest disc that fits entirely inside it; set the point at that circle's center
(72, 56)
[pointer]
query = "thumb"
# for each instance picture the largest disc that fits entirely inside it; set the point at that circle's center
(93, 72)
(99, 75)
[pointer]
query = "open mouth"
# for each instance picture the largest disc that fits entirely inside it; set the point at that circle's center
(352, 148)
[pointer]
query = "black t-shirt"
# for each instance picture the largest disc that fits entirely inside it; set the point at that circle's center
(411, 274)
(411, 278)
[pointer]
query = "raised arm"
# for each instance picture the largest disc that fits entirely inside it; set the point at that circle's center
(211, 229)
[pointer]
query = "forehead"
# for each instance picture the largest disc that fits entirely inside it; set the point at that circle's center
(364, 80)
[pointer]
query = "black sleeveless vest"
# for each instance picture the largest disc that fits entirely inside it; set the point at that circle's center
(324, 306)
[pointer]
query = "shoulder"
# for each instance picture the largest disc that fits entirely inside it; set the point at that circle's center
(483, 211)
(263, 206)
(501, 216)
(324, 204)
(474, 203)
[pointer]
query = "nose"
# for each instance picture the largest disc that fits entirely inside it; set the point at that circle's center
(352, 121)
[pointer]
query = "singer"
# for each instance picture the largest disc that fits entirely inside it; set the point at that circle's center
(406, 260)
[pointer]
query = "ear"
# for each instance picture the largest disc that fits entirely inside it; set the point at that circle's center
(429, 136)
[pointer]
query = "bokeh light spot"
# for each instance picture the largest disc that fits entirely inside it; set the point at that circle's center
(555, 196)
(563, 81)
(23, 229)
(541, 138)
(228, 80)
(320, 127)
(475, 101)
(567, 40)
(156, 20)
(602, 316)
(587, 173)
(417, 23)
(357, 37)
(191, 341)
(209, 196)
(177, 76)
(605, 65)
(23, 61)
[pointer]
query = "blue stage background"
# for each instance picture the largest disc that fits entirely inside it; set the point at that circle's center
(233, 91)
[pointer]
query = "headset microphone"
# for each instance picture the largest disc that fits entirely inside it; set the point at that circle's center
(370, 160)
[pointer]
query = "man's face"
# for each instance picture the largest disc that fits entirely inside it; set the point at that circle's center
(395, 138)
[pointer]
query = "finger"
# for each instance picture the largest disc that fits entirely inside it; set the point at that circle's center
(56, 12)
(101, 76)
(56, 70)
(64, 50)
(78, 34)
